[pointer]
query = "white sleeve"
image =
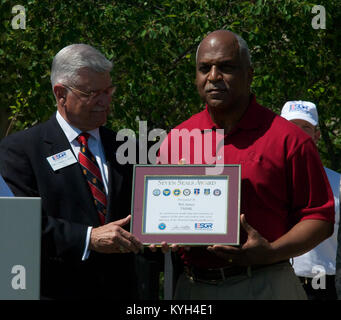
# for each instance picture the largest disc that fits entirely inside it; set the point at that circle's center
(86, 252)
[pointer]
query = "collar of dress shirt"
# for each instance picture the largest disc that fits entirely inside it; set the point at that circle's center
(72, 132)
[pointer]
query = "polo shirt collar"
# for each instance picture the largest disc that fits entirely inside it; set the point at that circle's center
(249, 121)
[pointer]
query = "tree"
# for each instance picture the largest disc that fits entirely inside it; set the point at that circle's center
(153, 46)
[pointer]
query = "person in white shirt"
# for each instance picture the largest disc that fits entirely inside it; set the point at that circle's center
(316, 268)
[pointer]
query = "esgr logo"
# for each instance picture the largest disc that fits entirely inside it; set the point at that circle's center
(59, 156)
(206, 226)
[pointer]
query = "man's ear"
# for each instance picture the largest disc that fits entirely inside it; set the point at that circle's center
(60, 93)
(317, 135)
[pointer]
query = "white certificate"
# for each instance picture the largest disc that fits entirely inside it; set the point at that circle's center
(185, 205)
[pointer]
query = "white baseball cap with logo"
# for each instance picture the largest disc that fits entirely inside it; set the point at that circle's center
(303, 110)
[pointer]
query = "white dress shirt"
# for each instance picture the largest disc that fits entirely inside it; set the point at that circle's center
(323, 255)
(96, 148)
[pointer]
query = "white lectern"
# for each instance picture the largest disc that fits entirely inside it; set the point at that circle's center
(20, 234)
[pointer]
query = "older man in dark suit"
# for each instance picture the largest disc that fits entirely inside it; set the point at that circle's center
(70, 162)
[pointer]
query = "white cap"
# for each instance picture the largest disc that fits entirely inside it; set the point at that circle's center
(303, 110)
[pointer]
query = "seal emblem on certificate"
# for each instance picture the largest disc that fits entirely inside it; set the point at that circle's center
(184, 205)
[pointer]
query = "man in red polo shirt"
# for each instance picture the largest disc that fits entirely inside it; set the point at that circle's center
(286, 201)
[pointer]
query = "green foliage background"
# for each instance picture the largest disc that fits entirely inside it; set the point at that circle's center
(153, 46)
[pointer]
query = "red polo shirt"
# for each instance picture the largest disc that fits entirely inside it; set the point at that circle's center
(282, 177)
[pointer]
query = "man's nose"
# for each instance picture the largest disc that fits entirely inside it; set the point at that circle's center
(214, 74)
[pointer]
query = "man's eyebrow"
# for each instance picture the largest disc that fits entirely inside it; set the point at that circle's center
(223, 61)
(228, 61)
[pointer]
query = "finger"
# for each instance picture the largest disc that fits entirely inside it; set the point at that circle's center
(125, 245)
(175, 247)
(122, 222)
(153, 248)
(164, 247)
(129, 241)
(121, 249)
(223, 249)
(182, 161)
(245, 225)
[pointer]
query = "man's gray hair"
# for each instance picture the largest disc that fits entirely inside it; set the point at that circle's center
(244, 51)
(69, 60)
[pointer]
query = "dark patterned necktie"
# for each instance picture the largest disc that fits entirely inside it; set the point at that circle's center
(93, 175)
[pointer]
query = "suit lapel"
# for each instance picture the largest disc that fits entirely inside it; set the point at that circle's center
(56, 141)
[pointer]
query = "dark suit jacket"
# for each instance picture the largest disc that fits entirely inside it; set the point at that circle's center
(68, 210)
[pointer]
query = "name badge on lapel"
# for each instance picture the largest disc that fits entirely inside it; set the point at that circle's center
(61, 160)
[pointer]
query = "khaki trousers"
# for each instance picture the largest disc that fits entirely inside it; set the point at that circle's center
(273, 282)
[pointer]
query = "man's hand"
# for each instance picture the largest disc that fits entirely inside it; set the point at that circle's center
(256, 250)
(301, 238)
(112, 238)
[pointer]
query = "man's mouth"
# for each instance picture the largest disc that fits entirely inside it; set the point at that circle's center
(216, 90)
